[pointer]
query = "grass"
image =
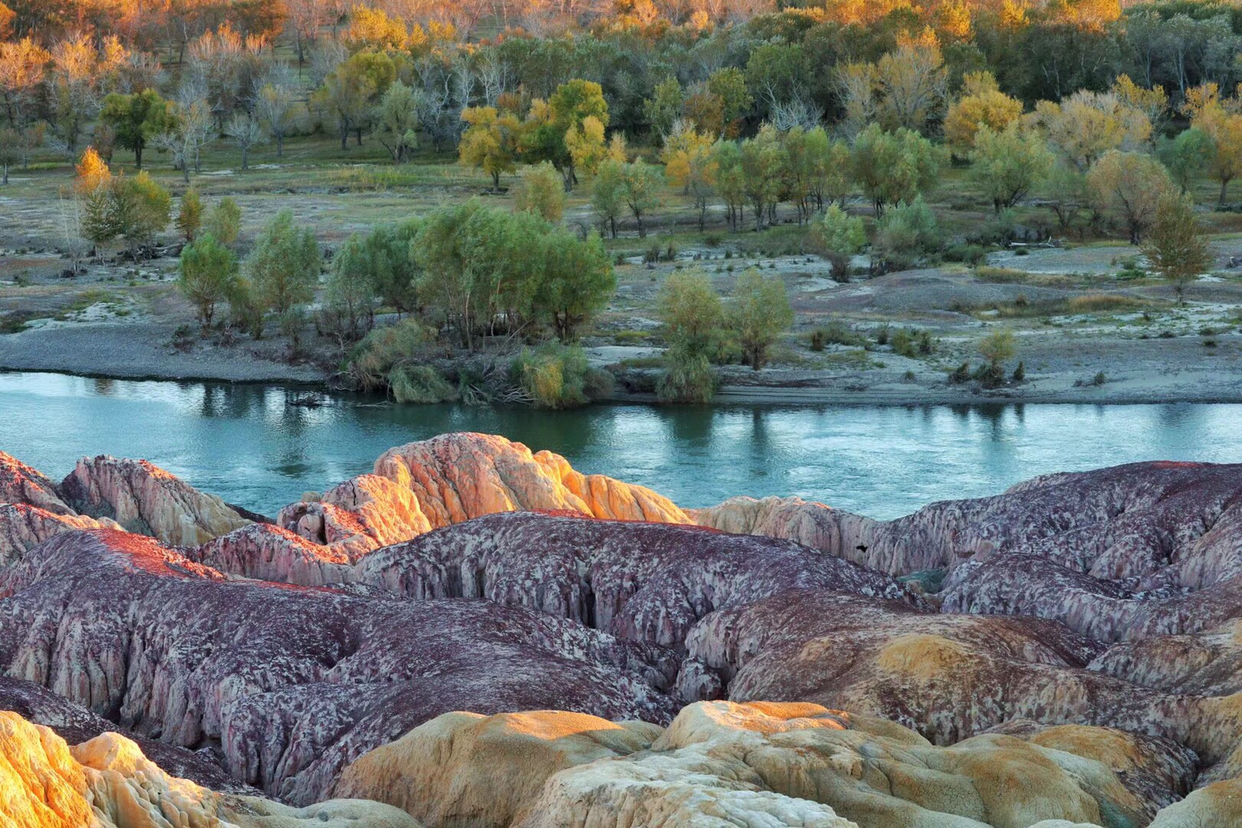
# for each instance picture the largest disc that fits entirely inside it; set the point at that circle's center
(1022, 308)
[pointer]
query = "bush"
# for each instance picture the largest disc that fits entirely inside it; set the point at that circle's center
(224, 221)
(384, 349)
(969, 254)
(908, 231)
(960, 374)
(839, 236)
(837, 332)
(1019, 373)
(555, 376)
(687, 378)
(541, 191)
(420, 384)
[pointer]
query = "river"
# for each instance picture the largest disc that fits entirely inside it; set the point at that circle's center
(248, 445)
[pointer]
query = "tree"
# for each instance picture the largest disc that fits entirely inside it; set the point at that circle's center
(982, 104)
(396, 122)
(224, 221)
(997, 348)
(891, 166)
(1008, 164)
(730, 86)
(759, 313)
(1086, 125)
(1175, 247)
(1224, 124)
(691, 313)
(639, 189)
(208, 276)
(394, 272)
(764, 165)
(841, 237)
(607, 194)
(664, 108)
(906, 231)
(349, 297)
(246, 133)
(576, 282)
(490, 141)
(542, 192)
(1064, 191)
(1187, 156)
(911, 82)
(690, 165)
(350, 92)
(190, 215)
(93, 189)
(136, 119)
(141, 208)
(23, 71)
(1131, 184)
(277, 109)
(546, 132)
(829, 167)
(284, 265)
(730, 179)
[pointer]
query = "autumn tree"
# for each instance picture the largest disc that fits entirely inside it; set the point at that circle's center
(1131, 184)
(1008, 164)
(758, 313)
(190, 215)
(490, 141)
(567, 129)
(690, 165)
(1221, 119)
(1175, 247)
(208, 271)
(1085, 126)
(981, 104)
(277, 109)
(245, 131)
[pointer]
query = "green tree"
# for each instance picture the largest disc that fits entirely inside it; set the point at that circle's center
(190, 216)
(607, 194)
(394, 272)
(396, 122)
(907, 231)
(541, 192)
(731, 180)
(1008, 164)
(576, 282)
(841, 237)
(893, 166)
(691, 312)
(664, 107)
(143, 208)
(997, 348)
(640, 190)
(136, 119)
(224, 221)
(350, 92)
(208, 276)
(574, 118)
(730, 85)
(759, 313)
(284, 265)
(349, 296)
(1187, 156)
(764, 167)
(1175, 246)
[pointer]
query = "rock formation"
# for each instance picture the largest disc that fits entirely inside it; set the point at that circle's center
(291, 683)
(107, 782)
(751, 764)
(144, 498)
(21, 484)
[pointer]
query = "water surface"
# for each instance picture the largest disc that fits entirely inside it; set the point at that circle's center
(248, 445)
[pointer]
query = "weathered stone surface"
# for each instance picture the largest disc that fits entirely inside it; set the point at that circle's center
(107, 782)
(463, 768)
(144, 498)
(23, 526)
(456, 477)
(291, 683)
(644, 581)
(1123, 522)
(756, 764)
(20, 483)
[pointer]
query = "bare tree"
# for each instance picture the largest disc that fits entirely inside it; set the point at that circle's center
(246, 132)
(277, 105)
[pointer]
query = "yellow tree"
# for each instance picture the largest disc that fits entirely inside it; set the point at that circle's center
(1221, 119)
(490, 141)
(586, 145)
(1086, 125)
(1133, 185)
(982, 104)
(690, 163)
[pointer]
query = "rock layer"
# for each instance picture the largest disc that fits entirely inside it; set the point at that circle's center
(107, 782)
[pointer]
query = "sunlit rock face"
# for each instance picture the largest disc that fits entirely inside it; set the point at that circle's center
(144, 498)
(107, 782)
(756, 764)
(291, 683)
(20, 483)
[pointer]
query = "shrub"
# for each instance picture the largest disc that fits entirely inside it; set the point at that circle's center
(969, 254)
(960, 374)
(420, 384)
(384, 349)
(224, 221)
(907, 231)
(687, 378)
(1019, 373)
(555, 376)
(208, 270)
(839, 236)
(541, 191)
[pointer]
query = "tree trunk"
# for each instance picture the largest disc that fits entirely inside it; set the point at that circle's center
(344, 137)
(245, 159)
(6, 173)
(496, 180)
(138, 157)
(1224, 186)
(358, 135)
(280, 145)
